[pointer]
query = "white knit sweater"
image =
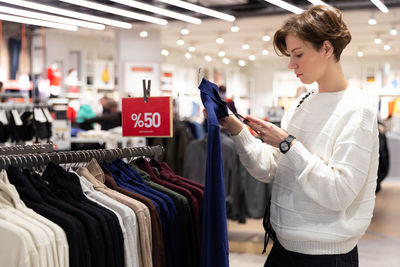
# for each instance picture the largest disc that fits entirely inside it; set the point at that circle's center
(323, 191)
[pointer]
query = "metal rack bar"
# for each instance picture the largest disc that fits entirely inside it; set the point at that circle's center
(26, 149)
(42, 159)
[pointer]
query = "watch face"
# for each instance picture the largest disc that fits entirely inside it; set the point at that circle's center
(284, 146)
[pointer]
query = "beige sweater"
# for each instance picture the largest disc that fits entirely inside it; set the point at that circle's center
(323, 191)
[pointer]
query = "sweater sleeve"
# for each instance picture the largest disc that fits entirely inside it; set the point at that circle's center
(259, 158)
(335, 184)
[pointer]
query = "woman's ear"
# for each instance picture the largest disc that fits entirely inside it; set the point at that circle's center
(327, 48)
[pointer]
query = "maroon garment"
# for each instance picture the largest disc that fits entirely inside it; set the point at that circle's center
(158, 251)
(164, 165)
(167, 174)
(194, 203)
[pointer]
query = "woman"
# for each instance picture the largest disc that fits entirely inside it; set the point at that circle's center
(323, 162)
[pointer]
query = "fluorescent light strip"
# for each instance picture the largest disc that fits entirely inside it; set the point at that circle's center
(199, 9)
(317, 2)
(286, 6)
(37, 22)
(57, 19)
(158, 10)
(380, 5)
(117, 11)
(68, 13)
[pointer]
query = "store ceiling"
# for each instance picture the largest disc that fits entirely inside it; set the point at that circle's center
(255, 19)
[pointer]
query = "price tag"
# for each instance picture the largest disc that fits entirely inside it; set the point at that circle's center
(151, 119)
(61, 136)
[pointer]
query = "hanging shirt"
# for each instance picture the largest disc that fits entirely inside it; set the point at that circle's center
(78, 245)
(214, 245)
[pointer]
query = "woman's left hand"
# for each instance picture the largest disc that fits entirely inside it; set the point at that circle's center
(269, 132)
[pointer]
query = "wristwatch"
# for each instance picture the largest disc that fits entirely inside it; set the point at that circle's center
(284, 146)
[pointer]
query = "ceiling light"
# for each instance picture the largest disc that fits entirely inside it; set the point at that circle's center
(180, 41)
(38, 22)
(378, 40)
(235, 27)
(287, 6)
(265, 52)
(160, 11)
(372, 21)
(386, 47)
(192, 48)
(252, 57)
(199, 9)
(266, 38)
(242, 63)
(393, 31)
(360, 53)
(185, 31)
(188, 55)
(220, 40)
(164, 52)
(380, 5)
(226, 60)
(317, 2)
(52, 18)
(208, 58)
(117, 11)
(144, 34)
(68, 13)
(221, 53)
(245, 46)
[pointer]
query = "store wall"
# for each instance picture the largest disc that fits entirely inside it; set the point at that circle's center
(131, 48)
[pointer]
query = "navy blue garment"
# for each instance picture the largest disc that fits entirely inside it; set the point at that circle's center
(214, 245)
(132, 181)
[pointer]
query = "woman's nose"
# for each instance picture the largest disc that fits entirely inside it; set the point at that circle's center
(292, 65)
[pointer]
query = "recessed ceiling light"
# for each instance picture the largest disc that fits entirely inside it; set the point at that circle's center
(386, 47)
(192, 48)
(226, 60)
(185, 31)
(252, 57)
(180, 42)
(265, 52)
(220, 40)
(221, 53)
(164, 52)
(266, 38)
(235, 28)
(393, 31)
(378, 40)
(242, 63)
(208, 58)
(245, 46)
(372, 21)
(143, 34)
(360, 53)
(188, 55)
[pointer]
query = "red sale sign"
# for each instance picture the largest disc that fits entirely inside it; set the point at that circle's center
(151, 119)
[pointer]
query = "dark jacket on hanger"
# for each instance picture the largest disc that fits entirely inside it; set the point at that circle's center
(67, 186)
(79, 254)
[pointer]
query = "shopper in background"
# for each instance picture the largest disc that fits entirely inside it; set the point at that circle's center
(109, 120)
(323, 162)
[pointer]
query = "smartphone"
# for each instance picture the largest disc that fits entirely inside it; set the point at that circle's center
(242, 119)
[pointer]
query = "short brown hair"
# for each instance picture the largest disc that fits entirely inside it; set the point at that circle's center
(317, 24)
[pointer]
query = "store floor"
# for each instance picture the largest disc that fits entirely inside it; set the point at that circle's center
(379, 247)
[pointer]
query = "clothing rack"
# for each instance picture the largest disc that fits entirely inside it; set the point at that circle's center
(19, 106)
(26, 149)
(42, 159)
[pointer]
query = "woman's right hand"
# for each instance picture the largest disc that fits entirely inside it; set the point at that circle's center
(231, 123)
